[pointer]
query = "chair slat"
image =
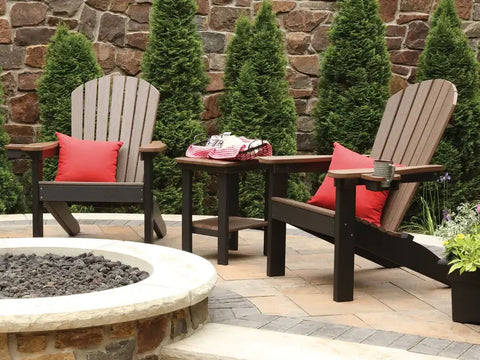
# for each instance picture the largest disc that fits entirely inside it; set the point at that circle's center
(102, 108)
(148, 127)
(90, 110)
(422, 123)
(77, 112)
(386, 124)
(116, 106)
(398, 125)
(126, 126)
(137, 130)
(410, 128)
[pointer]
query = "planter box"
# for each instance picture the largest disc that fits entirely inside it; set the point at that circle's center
(465, 296)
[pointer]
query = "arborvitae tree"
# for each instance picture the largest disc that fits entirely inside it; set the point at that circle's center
(173, 64)
(11, 194)
(354, 78)
(238, 52)
(260, 106)
(70, 62)
(448, 55)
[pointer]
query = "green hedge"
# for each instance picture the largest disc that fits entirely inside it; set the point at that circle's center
(173, 63)
(11, 194)
(256, 103)
(354, 79)
(449, 55)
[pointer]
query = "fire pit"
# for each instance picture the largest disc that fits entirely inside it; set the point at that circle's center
(129, 322)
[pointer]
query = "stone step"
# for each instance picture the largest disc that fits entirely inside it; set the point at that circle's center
(226, 342)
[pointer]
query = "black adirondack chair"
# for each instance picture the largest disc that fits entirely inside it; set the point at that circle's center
(411, 128)
(113, 108)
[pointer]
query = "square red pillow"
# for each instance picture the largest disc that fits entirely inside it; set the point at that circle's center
(369, 204)
(87, 160)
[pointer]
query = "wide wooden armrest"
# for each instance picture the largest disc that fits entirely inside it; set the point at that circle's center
(43, 146)
(367, 173)
(154, 147)
(294, 159)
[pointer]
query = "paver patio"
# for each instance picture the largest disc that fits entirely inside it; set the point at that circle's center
(392, 307)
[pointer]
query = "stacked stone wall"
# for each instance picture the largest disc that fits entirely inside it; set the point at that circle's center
(119, 32)
(133, 340)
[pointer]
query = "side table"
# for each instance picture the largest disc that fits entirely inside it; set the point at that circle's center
(227, 224)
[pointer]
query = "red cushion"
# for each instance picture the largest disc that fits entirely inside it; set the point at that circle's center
(369, 204)
(87, 160)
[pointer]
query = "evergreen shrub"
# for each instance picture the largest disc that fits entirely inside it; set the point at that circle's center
(173, 64)
(11, 195)
(70, 62)
(448, 55)
(354, 79)
(256, 101)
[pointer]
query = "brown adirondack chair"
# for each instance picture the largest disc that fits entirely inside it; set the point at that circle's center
(113, 108)
(412, 126)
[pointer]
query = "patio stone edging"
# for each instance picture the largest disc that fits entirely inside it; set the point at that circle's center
(227, 307)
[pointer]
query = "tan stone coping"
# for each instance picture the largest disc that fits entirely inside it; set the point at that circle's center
(177, 280)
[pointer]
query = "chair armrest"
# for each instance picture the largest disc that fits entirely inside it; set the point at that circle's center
(297, 163)
(48, 149)
(401, 171)
(43, 146)
(153, 147)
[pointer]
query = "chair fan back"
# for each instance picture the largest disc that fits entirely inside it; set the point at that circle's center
(410, 131)
(117, 108)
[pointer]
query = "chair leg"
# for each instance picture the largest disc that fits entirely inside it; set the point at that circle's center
(37, 211)
(158, 222)
(61, 212)
(276, 247)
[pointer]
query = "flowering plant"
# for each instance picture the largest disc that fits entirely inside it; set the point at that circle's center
(461, 232)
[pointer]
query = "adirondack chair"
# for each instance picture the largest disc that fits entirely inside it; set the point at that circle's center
(412, 125)
(113, 108)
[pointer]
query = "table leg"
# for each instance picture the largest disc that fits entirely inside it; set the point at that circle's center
(187, 176)
(233, 206)
(344, 239)
(223, 213)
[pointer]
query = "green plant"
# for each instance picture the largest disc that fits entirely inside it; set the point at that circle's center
(448, 55)
(238, 52)
(433, 204)
(461, 235)
(354, 79)
(70, 62)
(259, 105)
(463, 252)
(11, 194)
(173, 64)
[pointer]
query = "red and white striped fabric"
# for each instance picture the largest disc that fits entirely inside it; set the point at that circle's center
(244, 149)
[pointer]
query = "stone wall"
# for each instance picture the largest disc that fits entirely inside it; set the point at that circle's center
(133, 340)
(119, 31)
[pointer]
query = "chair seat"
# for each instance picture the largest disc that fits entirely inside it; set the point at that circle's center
(91, 192)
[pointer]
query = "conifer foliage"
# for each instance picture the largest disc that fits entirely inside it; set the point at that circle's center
(256, 103)
(70, 62)
(173, 64)
(448, 55)
(354, 79)
(10, 190)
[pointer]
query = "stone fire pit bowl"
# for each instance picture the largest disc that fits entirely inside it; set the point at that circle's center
(129, 322)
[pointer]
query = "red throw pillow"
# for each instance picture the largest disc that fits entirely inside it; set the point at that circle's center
(369, 204)
(87, 160)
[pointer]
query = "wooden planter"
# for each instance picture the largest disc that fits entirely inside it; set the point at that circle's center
(465, 296)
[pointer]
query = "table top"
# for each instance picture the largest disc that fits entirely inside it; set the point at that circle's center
(198, 163)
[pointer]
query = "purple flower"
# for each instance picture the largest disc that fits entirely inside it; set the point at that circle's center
(478, 208)
(446, 215)
(446, 177)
